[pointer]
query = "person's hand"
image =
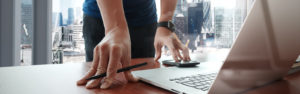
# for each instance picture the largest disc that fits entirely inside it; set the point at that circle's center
(114, 49)
(165, 37)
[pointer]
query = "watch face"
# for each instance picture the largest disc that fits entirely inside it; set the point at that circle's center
(171, 25)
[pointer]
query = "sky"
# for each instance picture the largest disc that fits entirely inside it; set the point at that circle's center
(225, 3)
(59, 5)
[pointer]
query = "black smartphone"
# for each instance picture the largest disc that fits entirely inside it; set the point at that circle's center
(180, 63)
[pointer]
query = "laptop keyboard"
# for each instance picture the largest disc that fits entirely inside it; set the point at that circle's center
(200, 81)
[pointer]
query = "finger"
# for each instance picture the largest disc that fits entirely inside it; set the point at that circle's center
(188, 56)
(128, 74)
(102, 66)
(174, 55)
(115, 55)
(179, 55)
(171, 46)
(185, 52)
(92, 70)
(157, 52)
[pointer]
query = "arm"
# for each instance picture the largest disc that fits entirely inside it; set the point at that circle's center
(114, 49)
(112, 15)
(166, 37)
(167, 10)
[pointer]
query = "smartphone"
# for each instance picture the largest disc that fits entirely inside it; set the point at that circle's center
(180, 63)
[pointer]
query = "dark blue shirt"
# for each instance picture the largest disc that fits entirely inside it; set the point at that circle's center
(137, 12)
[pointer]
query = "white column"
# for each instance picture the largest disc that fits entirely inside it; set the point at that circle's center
(10, 26)
(42, 45)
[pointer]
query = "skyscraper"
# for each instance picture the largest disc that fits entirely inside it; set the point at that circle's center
(195, 23)
(228, 22)
(208, 35)
(70, 16)
(27, 22)
(180, 20)
(224, 27)
(207, 17)
(61, 19)
(193, 20)
(180, 29)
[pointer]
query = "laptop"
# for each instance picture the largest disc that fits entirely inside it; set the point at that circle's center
(264, 51)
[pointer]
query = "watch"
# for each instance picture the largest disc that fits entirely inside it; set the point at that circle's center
(168, 24)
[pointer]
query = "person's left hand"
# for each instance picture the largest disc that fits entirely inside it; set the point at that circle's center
(113, 50)
(165, 37)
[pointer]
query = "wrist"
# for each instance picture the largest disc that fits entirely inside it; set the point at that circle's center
(165, 17)
(167, 24)
(123, 29)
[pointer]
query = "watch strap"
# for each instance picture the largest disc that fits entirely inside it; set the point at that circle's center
(163, 24)
(167, 25)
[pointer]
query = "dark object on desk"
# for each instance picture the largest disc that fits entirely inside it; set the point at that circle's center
(120, 70)
(180, 63)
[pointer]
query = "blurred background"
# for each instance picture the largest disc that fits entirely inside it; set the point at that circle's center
(205, 26)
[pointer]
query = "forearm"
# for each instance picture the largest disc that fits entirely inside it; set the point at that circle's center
(167, 9)
(113, 16)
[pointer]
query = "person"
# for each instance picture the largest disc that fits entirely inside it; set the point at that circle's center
(115, 31)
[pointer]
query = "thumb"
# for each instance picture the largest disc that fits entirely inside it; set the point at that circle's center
(157, 52)
(130, 77)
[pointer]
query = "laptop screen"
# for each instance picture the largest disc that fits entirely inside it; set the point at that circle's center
(265, 49)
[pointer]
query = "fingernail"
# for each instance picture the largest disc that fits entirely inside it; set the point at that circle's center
(105, 85)
(80, 82)
(91, 85)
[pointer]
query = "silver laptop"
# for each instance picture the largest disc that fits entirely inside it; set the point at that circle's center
(266, 47)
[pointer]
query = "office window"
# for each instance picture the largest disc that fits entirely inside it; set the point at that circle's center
(68, 44)
(208, 26)
(26, 32)
(203, 25)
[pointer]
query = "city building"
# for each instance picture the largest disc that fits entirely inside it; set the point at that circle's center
(70, 16)
(180, 28)
(27, 22)
(61, 19)
(194, 22)
(228, 22)
(180, 20)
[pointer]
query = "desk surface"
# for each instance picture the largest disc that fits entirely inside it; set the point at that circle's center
(61, 79)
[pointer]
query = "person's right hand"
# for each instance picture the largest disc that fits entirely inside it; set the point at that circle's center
(114, 49)
(163, 37)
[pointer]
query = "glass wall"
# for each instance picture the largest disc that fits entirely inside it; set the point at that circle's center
(205, 26)
(209, 26)
(68, 44)
(26, 32)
